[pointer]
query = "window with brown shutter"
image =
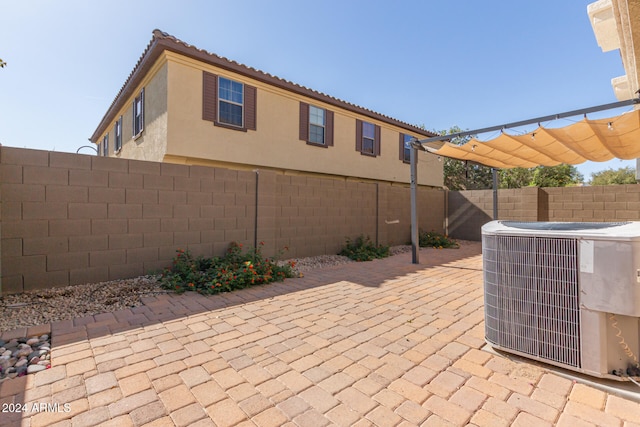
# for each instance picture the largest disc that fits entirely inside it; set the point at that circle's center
(228, 103)
(316, 125)
(405, 147)
(138, 114)
(367, 138)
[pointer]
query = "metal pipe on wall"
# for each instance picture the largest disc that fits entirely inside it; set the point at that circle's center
(415, 243)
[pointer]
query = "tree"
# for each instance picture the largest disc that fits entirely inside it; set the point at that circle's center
(626, 175)
(463, 175)
(2, 63)
(515, 178)
(556, 176)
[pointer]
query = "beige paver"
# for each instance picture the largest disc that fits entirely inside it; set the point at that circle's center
(362, 344)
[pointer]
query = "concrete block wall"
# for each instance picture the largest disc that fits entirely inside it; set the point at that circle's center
(597, 203)
(314, 215)
(469, 210)
(398, 207)
(71, 218)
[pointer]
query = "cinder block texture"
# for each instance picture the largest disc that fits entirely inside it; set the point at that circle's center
(468, 211)
(71, 218)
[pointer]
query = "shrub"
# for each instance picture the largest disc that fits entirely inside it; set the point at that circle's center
(235, 270)
(363, 249)
(436, 240)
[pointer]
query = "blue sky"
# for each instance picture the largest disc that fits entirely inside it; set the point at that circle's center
(434, 63)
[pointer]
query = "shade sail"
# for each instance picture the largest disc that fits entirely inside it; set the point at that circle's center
(595, 140)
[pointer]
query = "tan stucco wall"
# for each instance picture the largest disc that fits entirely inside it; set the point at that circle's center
(275, 143)
(151, 144)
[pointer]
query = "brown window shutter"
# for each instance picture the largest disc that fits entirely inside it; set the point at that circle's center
(377, 143)
(328, 128)
(209, 97)
(402, 146)
(358, 135)
(250, 107)
(304, 121)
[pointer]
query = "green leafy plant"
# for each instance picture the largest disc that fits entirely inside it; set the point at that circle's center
(363, 249)
(436, 240)
(235, 270)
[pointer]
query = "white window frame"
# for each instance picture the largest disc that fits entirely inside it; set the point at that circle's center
(406, 151)
(230, 101)
(322, 126)
(366, 138)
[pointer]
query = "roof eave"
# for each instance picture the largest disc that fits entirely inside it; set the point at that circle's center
(162, 41)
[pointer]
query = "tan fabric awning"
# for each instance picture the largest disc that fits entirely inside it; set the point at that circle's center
(595, 140)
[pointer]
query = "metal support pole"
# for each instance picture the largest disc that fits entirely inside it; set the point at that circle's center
(415, 246)
(494, 173)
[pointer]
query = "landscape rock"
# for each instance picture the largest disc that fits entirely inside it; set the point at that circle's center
(25, 355)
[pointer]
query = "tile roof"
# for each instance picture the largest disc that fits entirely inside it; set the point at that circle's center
(162, 41)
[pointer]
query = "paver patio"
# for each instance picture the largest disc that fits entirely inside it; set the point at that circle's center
(383, 343)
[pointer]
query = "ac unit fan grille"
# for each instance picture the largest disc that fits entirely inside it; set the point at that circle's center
(531, 296)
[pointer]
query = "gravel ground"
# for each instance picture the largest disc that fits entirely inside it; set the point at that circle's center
(53, 304)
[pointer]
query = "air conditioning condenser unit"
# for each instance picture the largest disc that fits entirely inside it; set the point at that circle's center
(567, 294)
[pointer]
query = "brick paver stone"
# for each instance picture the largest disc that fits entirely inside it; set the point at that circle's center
(385, 343)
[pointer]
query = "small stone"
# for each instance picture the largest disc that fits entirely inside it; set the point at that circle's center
(7, 353)
(4, 364)
(32, 341)
(2, 342)
(36, 353)
(23, 352)
(44, 337)
(23, 361)
(35, 368)
(43, 363)
(34, 360)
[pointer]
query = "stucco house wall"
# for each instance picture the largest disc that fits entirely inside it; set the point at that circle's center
(171, 74)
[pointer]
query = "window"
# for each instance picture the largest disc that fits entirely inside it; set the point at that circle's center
(228, 103)
(138, 114)
(367, 138)
(405, 147)
(231, 102)
(316, 125)
(105, 145)
(118, 134)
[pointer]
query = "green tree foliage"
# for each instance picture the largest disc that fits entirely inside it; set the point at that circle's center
(625, 175)
(515, 178)
(2, 63)
(461, 175)
(556, 176)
